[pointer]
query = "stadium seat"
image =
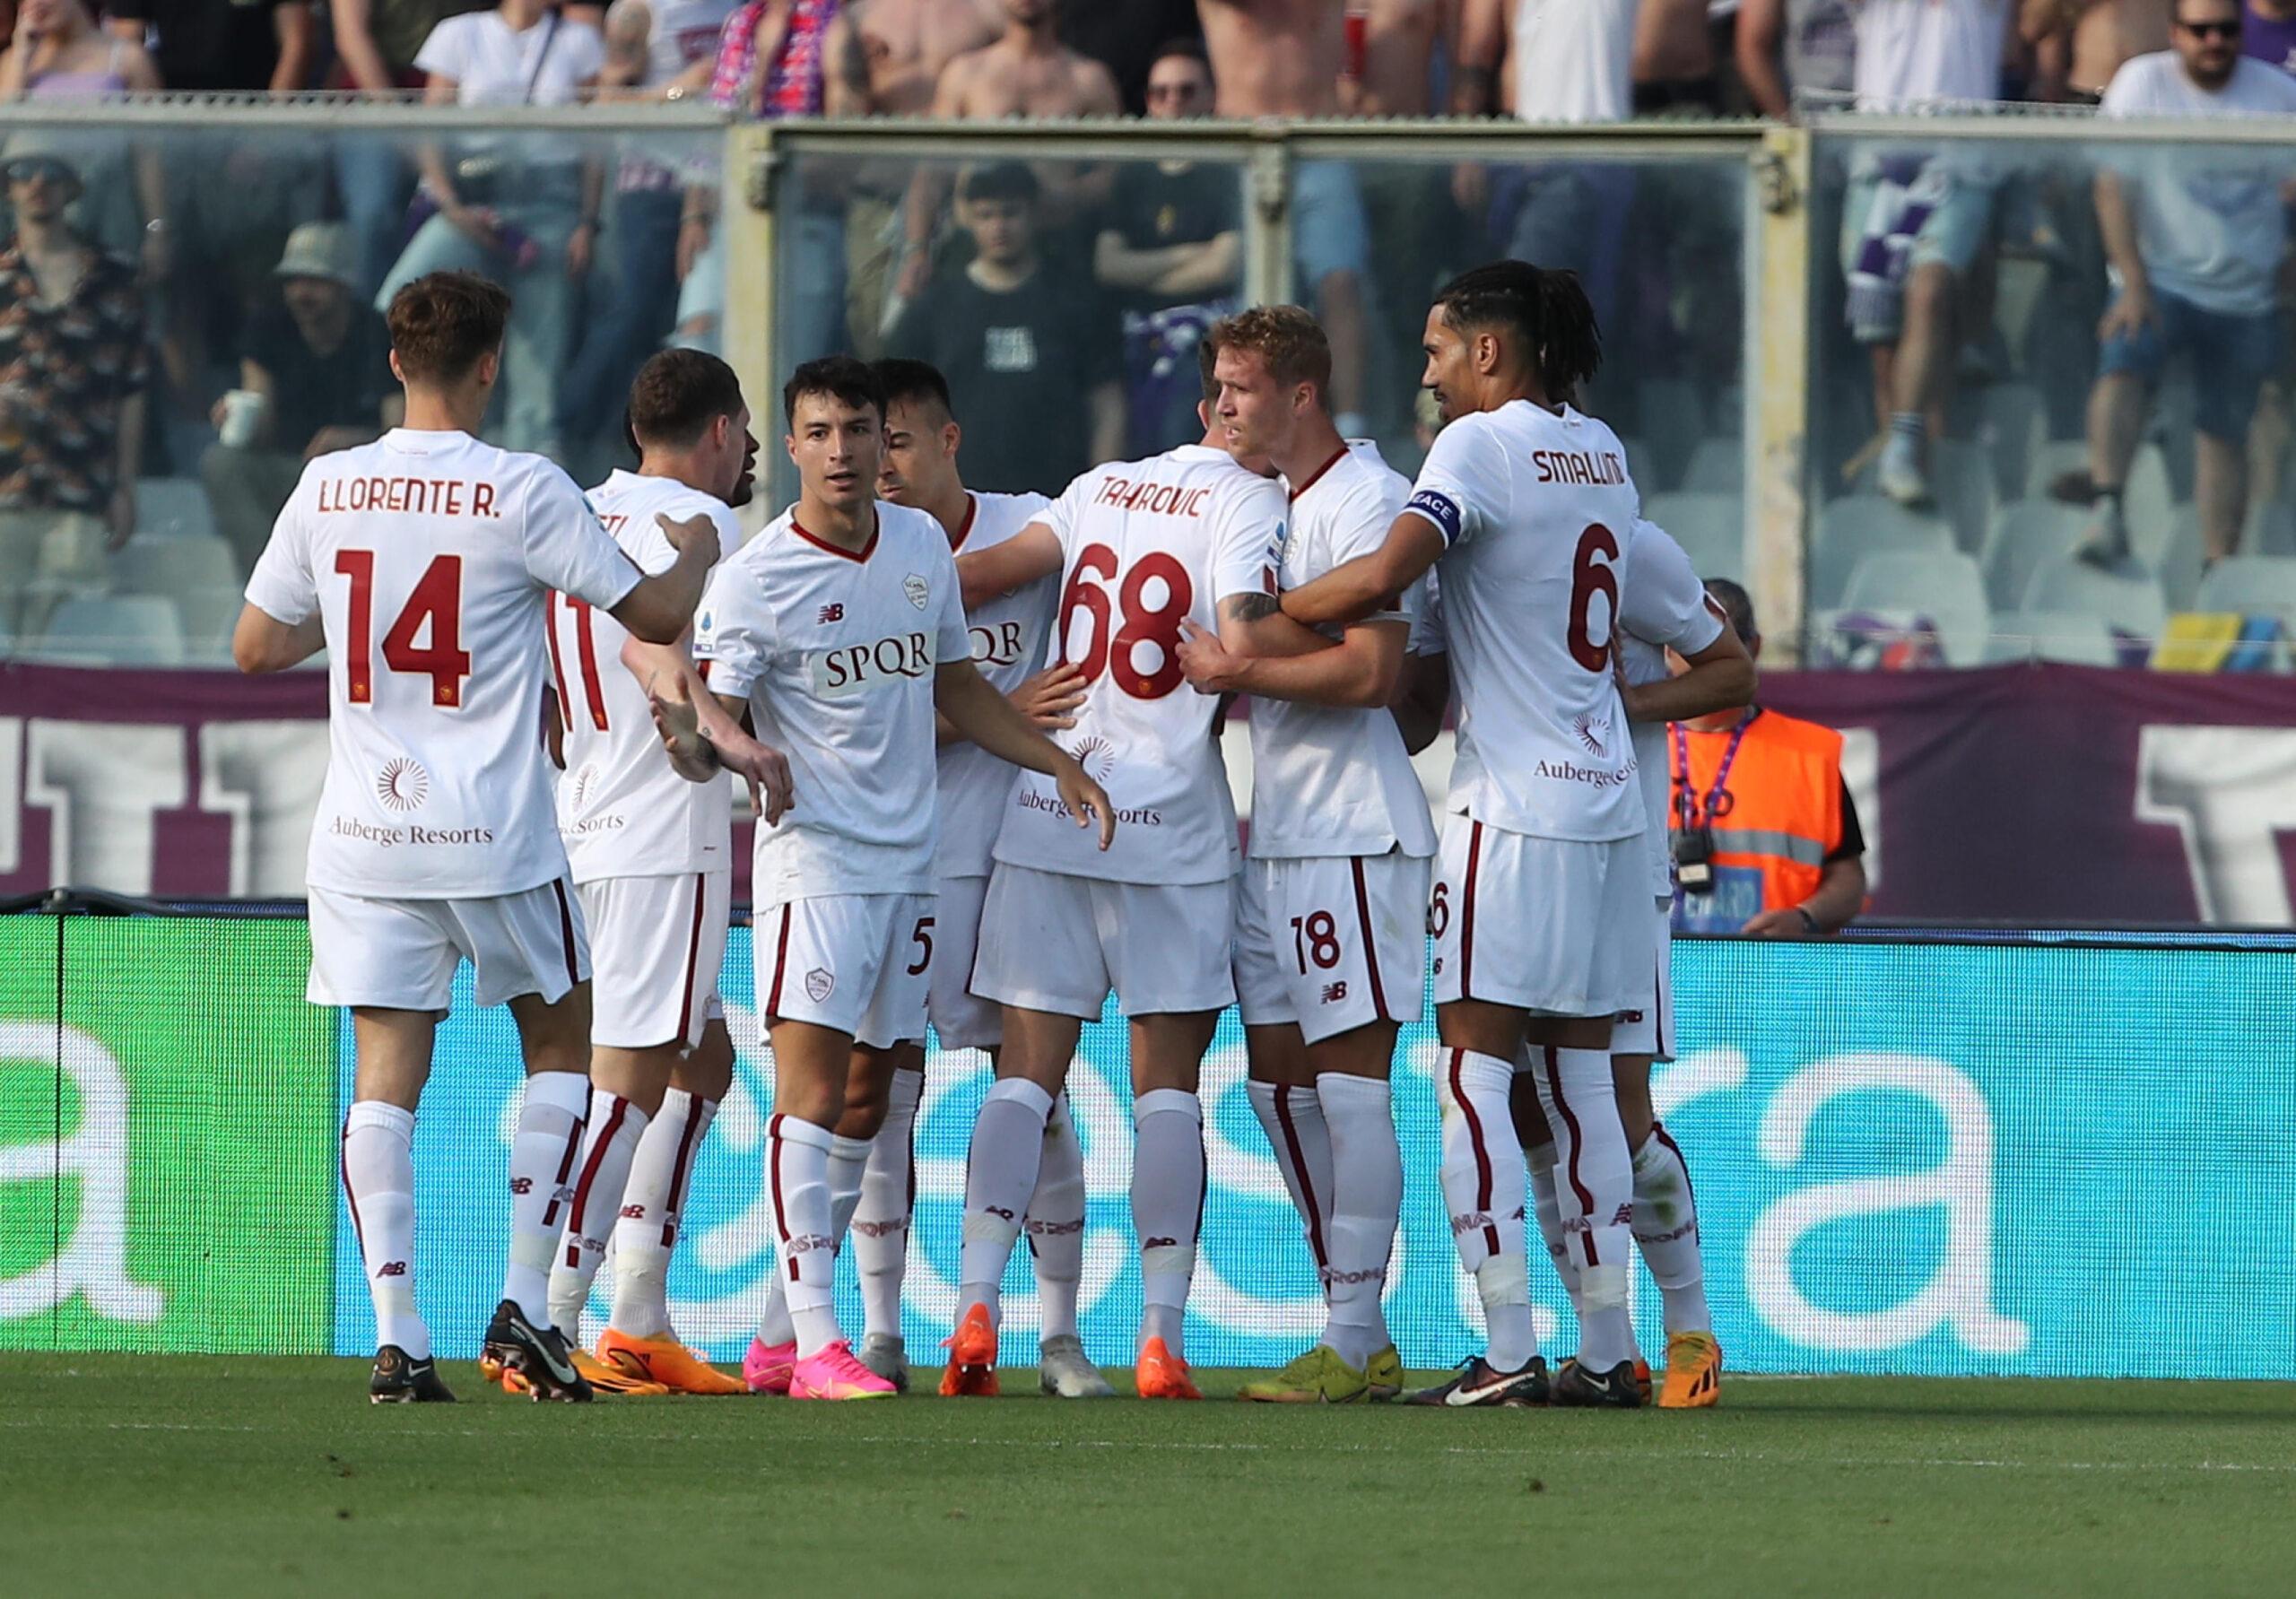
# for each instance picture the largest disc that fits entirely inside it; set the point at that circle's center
(2271, 529)
(2252, 586)
(1941, 585)
(2128, 605)
(2148, 506)
(1711, 527)
(2027, 534)
(1961, 477)
(1857, 526)
(2181, 563)
(173, 507)
(175, 566)
(128, 629)
(2075, 639)
(209, 613)
(1717, 466)
(2016, 426)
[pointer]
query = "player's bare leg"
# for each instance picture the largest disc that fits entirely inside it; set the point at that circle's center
(1665, 1230)
(1001, 1170)
(1168, 1185)
(1593, 1171)
(393, 1064)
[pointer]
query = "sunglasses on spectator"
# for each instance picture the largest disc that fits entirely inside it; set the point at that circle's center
(1173, 91)
(2226, 30)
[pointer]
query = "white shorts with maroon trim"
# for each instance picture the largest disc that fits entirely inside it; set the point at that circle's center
(855, 963)
(963, 1019)
(401, 954)
(1057, 943)
(1332, 943)
(1554, 925)
(657, 945)
(1648, 1026)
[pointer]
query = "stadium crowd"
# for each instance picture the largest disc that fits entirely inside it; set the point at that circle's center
(1973, 313)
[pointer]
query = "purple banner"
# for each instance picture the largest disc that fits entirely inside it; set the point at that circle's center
(2019, 793)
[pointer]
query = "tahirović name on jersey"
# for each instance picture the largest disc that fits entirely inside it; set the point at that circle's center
(350, 827)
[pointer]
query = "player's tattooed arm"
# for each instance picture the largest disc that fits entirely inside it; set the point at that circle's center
(997, 726)
(1720, 677)
(1254, 624)
(1359, 671)
(1354, 589)
(1031, 553)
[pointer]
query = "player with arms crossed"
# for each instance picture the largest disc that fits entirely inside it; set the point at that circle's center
(1540, 910)
(919, 470)
(649, 836)
(1332, 907)
(839, 632)
(1142, 546)
(421, 563)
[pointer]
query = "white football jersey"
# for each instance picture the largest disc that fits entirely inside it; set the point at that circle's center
(622, 809)
(1008, 635)
(1662, 605)
(1147, 544)
(1329, 780)
(1534, 508)
(429, 557)
(836, 652)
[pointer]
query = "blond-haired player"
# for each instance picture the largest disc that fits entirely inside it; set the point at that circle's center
(421, 563)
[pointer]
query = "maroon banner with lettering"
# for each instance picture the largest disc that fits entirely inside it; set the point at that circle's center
(2017, 793)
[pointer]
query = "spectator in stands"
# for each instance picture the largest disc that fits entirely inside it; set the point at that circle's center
(59, 56)
(521, 210)
(1127, 40)
(1790, 48)
(1170, 252)
(1914, 225)
(886, 58)
(1673, 61)
(1766, 838)
(320, 358)
(73, 367)
(2196, 239)
(663, 50)
(220, 47)
(376, 42)
(2080, 44)
(1018, 344)
(2270, 34)
(1284, 58)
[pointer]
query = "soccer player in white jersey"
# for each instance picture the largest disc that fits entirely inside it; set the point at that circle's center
(1143, 547)
(920, 470)
(1540, 906)
(649, 836)
(840, 631)
(421, 563)
(1331, 906)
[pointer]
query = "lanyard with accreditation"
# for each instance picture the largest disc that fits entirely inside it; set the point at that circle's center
(1694, 841)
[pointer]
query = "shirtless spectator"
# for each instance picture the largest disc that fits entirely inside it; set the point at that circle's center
(884, 59)
(1127, 36)
(1284, 58)
(1791, 48)
(1673, 61)
(1391, 72)
(1026, 73)
(2080, 44)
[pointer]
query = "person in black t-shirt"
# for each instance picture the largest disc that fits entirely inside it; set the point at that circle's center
(321, 359)
(1031, 355)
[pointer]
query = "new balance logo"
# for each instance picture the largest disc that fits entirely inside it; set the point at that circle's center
(1159, 1243)
(997, 1211)
(634, 1212)
(1625, 1217)
(832, 613)
(1334, 993)
(522, 1185)
(392, 1268)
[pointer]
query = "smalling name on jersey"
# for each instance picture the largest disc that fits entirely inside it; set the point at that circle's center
(407, 495)
(1576, 466)
(1162, 499)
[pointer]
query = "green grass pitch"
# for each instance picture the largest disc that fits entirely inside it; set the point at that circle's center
(193, 1475)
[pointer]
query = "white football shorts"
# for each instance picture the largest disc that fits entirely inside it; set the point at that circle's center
(1647, 1027)
(401, 954)
(656, 945)
(855, 963)
(963, 1019)
(1332, 943)
(1554, 926)
(1057, 943)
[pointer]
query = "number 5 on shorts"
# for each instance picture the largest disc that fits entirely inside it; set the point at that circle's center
(922, 938)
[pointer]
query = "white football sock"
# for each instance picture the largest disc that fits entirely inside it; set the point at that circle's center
(1666, 1230)
(1594, 1186)
(1548, 1211)
(1294, 1120)
(1483, 1161)
(542, 1155)
(651, 1207)
(881, 1222)
(609, 1145)
(1000, 1175)
(1055, 1224)
(848, 1158)
(1168, 1180)
(797, 1157)
(378, 1182)
(1366, 1202)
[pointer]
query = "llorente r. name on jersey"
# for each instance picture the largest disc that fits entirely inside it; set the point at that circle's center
(1535, 507)
(836, 652)
(428, 557)
(1008, 636)
(622, 809)
(1146, 544)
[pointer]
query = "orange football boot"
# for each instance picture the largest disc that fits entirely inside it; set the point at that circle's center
(972, 1358)
(664, 1360)
(1693, 1373)
(1162, 1375)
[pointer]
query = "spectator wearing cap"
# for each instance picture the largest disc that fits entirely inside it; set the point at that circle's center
(1018, 344)
(318, 361)
(73, 367)
(1766, 838)
(59, 56)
